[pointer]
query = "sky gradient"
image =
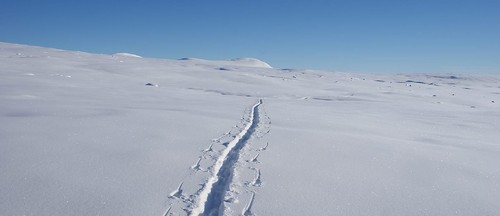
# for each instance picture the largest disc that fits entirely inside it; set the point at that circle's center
(353, 36)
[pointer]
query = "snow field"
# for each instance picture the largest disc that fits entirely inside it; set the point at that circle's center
(83, 134)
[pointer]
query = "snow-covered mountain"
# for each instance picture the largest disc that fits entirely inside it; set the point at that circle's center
(89, 134)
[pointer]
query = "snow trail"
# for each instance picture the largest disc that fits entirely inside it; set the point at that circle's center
(212, 195)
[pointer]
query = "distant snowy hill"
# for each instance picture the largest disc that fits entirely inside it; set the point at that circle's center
(93, 134)
(127, 55)
(252, 62)
(238, 62)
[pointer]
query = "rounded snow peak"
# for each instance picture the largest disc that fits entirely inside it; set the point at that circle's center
(251, 62)
(126, 55)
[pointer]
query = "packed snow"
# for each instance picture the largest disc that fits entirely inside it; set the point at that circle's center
(95, 134)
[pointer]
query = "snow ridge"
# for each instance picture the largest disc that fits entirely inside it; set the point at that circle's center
(211, 197)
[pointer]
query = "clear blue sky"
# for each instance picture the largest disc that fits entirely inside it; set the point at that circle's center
(357, 36)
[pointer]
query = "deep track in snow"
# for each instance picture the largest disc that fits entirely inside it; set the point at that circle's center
(211, 198)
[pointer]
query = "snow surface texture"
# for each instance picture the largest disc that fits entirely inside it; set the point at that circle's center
(87, 134)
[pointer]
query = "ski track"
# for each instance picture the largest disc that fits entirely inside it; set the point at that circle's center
(211, 197)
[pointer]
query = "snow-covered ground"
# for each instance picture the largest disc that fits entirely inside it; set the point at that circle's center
(88, 134)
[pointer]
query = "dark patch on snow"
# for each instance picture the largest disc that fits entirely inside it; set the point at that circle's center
(445, 77)
(332, 99)
(227, 93)
(21, 114)
(419, 82)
